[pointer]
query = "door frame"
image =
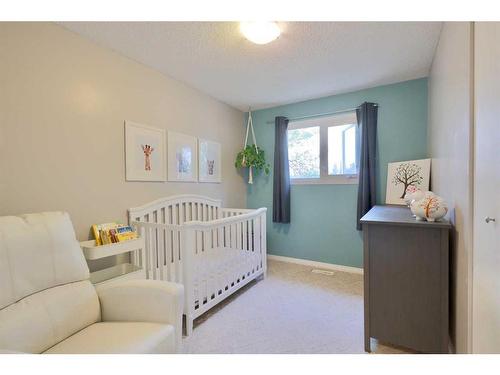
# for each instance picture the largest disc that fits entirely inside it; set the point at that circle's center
(472, 162)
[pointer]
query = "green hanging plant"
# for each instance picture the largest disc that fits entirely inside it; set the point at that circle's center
(252, 157)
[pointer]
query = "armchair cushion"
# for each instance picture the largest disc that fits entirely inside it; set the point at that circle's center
(119, 338)
(143, 301)
(37, 252)
(41, 320)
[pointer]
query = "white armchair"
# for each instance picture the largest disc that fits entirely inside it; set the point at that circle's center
(48, 305)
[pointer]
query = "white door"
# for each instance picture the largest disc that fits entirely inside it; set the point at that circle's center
(486, 262)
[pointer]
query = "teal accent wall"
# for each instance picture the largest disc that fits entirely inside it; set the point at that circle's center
(323, 217)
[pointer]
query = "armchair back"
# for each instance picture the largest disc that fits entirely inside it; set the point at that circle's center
(45, 294)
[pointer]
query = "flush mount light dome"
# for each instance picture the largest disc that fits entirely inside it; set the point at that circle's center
(260, 32)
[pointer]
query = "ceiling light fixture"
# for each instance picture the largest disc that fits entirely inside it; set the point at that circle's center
(260, 32)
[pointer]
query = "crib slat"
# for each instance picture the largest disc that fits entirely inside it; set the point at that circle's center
(148, 245)
(225, 249)
(156, 252)
(168, 258)
(220, 237)
(215, 270)
(232, 239)
(225, 237)
(151, 260)
(256, 244)
(235, 234)
(238, 236)
(207, 264)
(201, 271)
(143, 233)
(154, 256)
(160, 233)
(136, 255)
(175, 255)
(263, 242)
(245, 235)
(217, 261)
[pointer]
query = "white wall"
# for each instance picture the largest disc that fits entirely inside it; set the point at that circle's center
(450, 132)
(63, 102)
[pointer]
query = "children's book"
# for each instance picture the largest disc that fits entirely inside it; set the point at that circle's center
(108, 233)
(98, 228)
(125, 233)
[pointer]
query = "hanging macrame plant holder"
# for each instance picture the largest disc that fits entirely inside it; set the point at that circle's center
(250, 128)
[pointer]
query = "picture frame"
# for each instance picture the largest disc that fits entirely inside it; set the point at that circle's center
(209, 161)
(145, 153)
(402, 174)
(182, 157)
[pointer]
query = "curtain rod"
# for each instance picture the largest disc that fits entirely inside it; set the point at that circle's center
(320, 114)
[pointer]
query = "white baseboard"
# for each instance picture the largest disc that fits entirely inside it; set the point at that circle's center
(312, 263)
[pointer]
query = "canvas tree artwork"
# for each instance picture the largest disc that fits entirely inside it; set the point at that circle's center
(407, 174)
(401, 175)
(145, 153)
(209, 161)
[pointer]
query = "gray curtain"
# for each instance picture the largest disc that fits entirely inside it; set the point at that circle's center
(281, 186)
(366, 114)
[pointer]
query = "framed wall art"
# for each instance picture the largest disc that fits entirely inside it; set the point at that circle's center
(145, 153)
(182, 157)
(402, 174)
(209, 161)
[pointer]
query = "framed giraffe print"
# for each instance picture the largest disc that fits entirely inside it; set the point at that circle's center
(145, 153)
(209, 161)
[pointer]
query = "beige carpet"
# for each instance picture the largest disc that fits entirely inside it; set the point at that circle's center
(291, 311)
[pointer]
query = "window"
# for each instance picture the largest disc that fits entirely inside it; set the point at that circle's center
(324, 150)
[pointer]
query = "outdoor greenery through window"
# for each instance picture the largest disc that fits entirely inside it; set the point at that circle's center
(324, 150)
(303, 152)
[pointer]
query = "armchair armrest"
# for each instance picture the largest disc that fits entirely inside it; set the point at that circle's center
(144, 301)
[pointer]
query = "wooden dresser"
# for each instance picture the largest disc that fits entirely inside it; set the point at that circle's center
(406, 280)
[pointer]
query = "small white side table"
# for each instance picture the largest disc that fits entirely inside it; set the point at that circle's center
(120, 272)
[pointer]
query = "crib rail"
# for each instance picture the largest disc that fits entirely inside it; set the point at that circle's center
(228, 212)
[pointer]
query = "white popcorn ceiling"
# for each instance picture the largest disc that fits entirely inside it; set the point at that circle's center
(309, 59)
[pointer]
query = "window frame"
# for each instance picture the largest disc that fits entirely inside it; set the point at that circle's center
(324, 123)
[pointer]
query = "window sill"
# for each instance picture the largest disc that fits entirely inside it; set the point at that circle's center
(330, 180)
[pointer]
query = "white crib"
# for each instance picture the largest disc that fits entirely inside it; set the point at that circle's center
(192, 240)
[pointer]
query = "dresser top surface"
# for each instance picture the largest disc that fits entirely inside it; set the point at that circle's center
(398, 215)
